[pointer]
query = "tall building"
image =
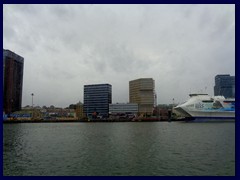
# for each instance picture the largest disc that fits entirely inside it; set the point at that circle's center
(97, 98)
(224, 86)
(142, 92)
(12, 81)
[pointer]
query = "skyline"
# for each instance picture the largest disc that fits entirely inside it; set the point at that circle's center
(182, 47)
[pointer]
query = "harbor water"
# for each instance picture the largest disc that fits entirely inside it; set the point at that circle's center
(117, 149)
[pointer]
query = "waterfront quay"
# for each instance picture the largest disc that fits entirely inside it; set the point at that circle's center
(75, 114)
(85, 120)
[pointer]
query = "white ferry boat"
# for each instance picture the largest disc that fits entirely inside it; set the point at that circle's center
(204, 107)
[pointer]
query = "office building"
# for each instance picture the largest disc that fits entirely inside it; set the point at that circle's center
(224, 86)
(121, 108)
(97, 98)
(142, 92)
(12, 81)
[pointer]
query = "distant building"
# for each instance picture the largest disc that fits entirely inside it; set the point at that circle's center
(142, 92)
(97, 98)
(121, 108)
(12, 81)
(225, 86)
(79, 110)
(59, 113)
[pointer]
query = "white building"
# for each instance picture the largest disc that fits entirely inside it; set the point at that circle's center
(121, 108)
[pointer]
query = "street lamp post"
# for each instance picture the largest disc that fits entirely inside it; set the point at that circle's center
(32, 106)
(32, 99)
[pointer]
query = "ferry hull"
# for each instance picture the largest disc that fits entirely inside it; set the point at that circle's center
(213, 115)
(204, 116)
(212, 119)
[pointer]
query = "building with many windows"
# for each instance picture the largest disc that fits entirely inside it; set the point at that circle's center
(122, 108)
(224, 86)
(12, 81)
(97, 98)
(142, 92)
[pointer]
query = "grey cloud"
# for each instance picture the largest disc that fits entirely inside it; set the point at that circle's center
(29, 9)
(9, 33)
(62, 11)
(66, 46)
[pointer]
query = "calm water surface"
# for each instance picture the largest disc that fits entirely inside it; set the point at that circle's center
(149, 148)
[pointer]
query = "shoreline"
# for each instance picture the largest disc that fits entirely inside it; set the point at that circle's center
(85, 121)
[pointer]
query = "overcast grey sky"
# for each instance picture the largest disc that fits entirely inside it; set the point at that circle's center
(182, 47)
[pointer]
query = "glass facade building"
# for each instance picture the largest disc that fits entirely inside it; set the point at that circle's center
(129, 108)
(97, 98)
(12, 81)
(224, 86)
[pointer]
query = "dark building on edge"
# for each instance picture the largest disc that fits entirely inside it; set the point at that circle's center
(97, 98)
(224, 86)
(12, 81)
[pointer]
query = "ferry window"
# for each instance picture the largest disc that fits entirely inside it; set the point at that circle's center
(207, 101)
